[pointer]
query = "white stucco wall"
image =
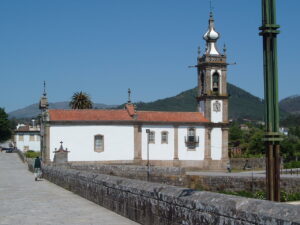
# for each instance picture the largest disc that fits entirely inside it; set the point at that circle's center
(216, 117)
(216, 143)
(32, 145)
(118, 142)
(158, 151)
(202, 107)
(198, 152)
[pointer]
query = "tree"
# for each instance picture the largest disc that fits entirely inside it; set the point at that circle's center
(5, 131)
(235, 135)
(81, 100)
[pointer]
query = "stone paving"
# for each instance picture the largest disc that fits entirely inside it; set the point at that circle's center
(24, 201)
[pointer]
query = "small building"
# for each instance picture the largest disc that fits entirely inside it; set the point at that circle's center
(27, 137)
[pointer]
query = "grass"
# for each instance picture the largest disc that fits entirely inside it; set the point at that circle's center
(284, 196)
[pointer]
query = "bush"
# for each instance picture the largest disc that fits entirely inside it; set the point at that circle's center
(293, 164)
(32, 154)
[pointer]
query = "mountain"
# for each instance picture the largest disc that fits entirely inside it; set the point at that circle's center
(291, 104)
(32, 111)
(242, 104)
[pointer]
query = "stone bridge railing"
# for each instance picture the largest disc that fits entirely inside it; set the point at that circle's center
(157, 204)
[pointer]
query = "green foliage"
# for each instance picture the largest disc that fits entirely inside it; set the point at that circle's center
(290, 147)
(5, 130)
(249, 140)
(284, 196)
(32, 154)
(291, 104)
(291, 165)
(81, 100)
(242, 105)
(291, 121)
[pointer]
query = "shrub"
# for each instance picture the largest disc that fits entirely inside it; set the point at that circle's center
(293, 164)
(32, 154)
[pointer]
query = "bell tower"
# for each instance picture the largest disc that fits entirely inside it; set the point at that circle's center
(212, 99)
(212, 78)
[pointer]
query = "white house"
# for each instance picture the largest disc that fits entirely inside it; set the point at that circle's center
(186, 139)
(27, 138)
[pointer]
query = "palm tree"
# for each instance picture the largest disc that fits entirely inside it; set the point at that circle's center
(81, 100)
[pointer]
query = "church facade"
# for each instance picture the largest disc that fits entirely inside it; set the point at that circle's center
(186, 139)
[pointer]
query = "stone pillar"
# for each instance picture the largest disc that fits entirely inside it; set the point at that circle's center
(176, 158)
(137, 144)
(225, 110)
(207, 150)
(225, 157)
(46, 154)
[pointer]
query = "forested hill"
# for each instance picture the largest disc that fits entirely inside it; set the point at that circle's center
(291, 104)
(242, 104)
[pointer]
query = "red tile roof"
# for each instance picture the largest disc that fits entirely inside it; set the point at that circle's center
(125, 115)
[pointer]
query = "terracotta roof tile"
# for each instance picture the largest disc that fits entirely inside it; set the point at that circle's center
(156, 116)
(125, 115)
(23, 128)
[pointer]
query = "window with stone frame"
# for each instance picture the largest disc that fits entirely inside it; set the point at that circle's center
(98, 143)
(152, 137)
(21, 137)
(164, 137)
(31, 137)
(191, 134)
(191, 140)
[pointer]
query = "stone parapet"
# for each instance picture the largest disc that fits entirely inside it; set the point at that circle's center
(157, 204)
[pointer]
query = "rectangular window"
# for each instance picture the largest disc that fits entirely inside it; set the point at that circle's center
(21, 137)
(191, 139)
(164, 137)
(98, 143)
(152, 137)
(38, 138)
(191, 135)
(31, 137)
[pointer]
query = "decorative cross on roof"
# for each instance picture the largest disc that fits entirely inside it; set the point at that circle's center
(129, 97)
(44, 89)
(210, 6)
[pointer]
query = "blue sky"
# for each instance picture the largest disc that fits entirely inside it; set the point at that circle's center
(103, 47)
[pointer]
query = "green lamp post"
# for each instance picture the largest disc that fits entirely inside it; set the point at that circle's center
(269, 32)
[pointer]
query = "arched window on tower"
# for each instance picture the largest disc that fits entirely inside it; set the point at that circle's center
(216, 83)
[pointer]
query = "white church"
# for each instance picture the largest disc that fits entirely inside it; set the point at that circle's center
(129, 136)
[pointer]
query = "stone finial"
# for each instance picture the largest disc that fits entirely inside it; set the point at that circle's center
(129, 96)
(224, 49)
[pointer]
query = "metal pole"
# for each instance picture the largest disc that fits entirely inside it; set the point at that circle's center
(272, 137)
(148, 164)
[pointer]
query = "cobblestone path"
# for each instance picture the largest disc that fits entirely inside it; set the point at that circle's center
(24, 201)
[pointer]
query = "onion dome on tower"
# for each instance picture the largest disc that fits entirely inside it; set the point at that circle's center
(211, 37)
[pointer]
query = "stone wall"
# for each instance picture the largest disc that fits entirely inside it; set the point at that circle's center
(158, 204)
(255, 163)
(231, 183)
(166, 175)
(20, 154)
(177, 176)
